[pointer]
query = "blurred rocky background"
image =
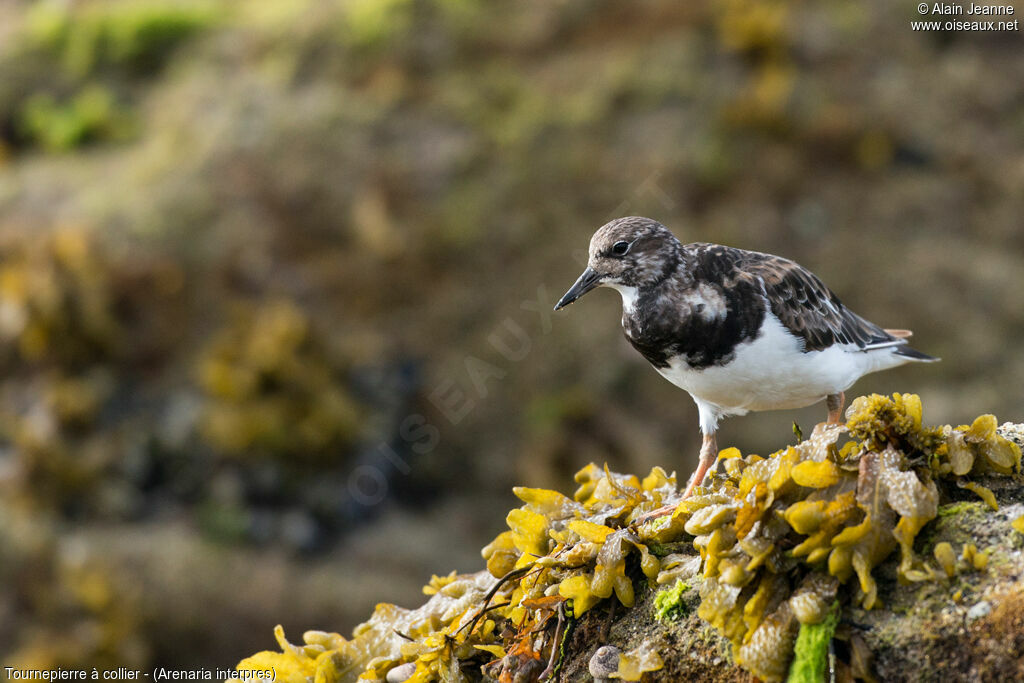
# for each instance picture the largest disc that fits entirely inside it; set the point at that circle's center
(276, 277)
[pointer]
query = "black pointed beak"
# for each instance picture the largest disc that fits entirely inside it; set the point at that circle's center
(586, 282)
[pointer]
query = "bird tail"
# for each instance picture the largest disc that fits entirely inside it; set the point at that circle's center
(913, 354)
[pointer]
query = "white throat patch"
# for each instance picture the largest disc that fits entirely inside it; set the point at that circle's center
(629, 296)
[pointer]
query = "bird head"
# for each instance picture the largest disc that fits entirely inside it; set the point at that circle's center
(626, 254)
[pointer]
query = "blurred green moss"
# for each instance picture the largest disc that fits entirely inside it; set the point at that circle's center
(91, 114)
(76, 68)
(372, 22)
(137, 36)
(369, 26)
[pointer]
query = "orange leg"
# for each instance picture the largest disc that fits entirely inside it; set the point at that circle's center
(708, 453)
(835, 402)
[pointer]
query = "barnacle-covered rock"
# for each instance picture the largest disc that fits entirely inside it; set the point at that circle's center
(784, 541)
(842, 509)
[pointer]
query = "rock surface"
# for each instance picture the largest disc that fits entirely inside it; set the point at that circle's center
(966, 628)
(946, 605)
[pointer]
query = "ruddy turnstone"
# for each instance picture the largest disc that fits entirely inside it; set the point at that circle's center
(739, 330)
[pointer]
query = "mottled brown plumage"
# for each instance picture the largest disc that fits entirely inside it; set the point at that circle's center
(801, 301)
(739, 330)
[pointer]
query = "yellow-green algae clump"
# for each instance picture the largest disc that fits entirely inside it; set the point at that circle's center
(271, 388)
(780, 540)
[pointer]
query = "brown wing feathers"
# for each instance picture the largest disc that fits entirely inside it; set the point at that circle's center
(802, 302)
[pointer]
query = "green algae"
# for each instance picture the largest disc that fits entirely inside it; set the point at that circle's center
(668, 603)
(811, 650)
(962, 507)
(137, 37)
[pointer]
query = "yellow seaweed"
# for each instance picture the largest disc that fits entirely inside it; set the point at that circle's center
(529, 531)
(577, 589)
(983, 492)
(778, 537)
(588, 531)
(817, 475)
(638, 661)
(946, 558)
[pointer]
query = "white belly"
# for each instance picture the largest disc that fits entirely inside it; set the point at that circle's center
(772, 372)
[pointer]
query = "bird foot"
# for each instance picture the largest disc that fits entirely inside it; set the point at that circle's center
(708, 453)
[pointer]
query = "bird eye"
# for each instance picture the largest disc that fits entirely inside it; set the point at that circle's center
(620, 248)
